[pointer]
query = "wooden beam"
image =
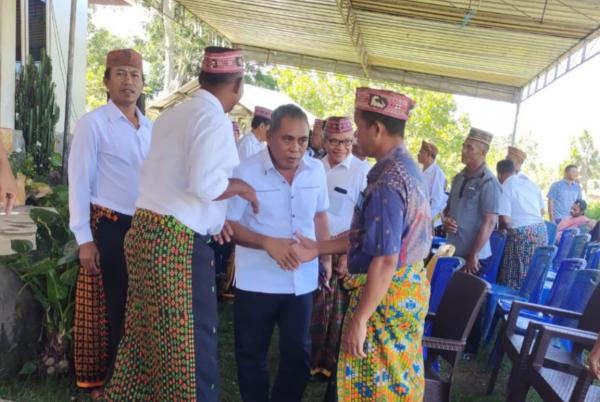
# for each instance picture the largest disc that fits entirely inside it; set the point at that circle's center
(351, 23)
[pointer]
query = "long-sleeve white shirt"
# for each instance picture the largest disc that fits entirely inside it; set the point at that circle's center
(104, 165)
(436, 183)
(191, 159)
(249, 145)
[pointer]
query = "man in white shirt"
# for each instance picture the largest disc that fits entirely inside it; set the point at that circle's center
(169, 348)
(254, 140)
(346, 178)
(520, 213)
(435, 180)
(272, 287)
(518, 157)
(105, 159)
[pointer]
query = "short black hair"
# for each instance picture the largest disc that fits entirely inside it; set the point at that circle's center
(290, 110)
(257, 121)
(394, 126)
(582, 204)
(505, 166)
(213, 79)
(569, 167)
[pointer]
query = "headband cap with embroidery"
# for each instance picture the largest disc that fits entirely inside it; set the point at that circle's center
(124, 57)
(384, 102)
(263, 112)
(338, 125)
(517, 154)
(228, 62)
(477, 134)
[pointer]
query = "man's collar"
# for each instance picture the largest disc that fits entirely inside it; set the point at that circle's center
(267, 161)
(209, 97)
(345, 163)
(114, 113)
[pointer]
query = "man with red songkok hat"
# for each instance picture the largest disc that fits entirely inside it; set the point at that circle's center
(169, 347)
(255, 140)
(315, 148)
(106, 156)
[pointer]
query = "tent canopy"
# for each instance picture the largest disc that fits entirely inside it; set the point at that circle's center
(486, 48)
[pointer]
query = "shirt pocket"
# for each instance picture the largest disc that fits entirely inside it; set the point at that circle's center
(306, 198)
(338, 203)
(271, 204)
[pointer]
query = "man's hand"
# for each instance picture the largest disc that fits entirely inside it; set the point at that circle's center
(594, 359)
(305, 249)
(326, 263)
(472, 265)
(341, 269)
(226, 234)
(450, 225)
(89, 256)
(353, 340)
(8, 189)
(281, 250)
(249, 195)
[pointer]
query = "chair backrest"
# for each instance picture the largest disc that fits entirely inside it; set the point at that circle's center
(590, 319)
(590, 249)
(540, 263)
(458, 309)
(551, 228)
(585, 281)
(564, 280)
(564, 246)
(490, 265)
(580, 241)
(594, 260)
(444, 269)
(445, 250)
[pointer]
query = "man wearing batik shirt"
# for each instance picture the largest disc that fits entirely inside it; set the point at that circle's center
(254, 140)
(106, 156)
(169, 349)
(346, 178)
(272, 288)
(316, 149)
(388, 240)
(435, 180)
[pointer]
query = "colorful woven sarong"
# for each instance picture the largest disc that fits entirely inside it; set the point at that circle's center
(520, 247)
(171, 315)
(329, 308)
(90, 329)
(393, 369)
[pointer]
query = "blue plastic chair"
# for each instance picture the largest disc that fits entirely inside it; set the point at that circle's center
(551, 228)
(444, 269)
(531, 288)
(437, 241)
(594, 260)
(578, 247)
(590, 249)
(583, 283)
(561, 284)
(491, 265)
(564, 247)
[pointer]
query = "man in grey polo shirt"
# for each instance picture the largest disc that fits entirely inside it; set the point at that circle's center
(472, 210)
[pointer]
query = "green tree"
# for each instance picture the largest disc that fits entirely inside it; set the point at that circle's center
(100, 42)
(587, 158)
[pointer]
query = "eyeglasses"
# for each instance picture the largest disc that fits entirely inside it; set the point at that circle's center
(335, 143)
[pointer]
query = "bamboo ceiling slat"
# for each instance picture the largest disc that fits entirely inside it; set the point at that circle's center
(505, 43)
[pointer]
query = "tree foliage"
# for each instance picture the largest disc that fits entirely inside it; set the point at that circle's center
(587, 158)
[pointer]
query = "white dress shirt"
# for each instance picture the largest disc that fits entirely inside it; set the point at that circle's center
(249, 145)
(191, 159)
(345, 181)
(436, 184)
(284, 210)
(522, 201)
(104, 165)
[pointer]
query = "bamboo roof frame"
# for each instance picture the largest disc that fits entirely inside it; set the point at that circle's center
(485, 48)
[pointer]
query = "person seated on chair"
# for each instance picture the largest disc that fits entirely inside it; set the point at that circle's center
(576, 219)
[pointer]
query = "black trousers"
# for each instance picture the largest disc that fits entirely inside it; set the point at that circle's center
(109, 238)
(255, 316)
(206, 320)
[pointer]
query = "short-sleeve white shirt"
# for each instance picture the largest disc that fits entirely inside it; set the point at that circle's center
(521, 200)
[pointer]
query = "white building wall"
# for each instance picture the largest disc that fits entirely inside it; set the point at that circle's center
(8, 38)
